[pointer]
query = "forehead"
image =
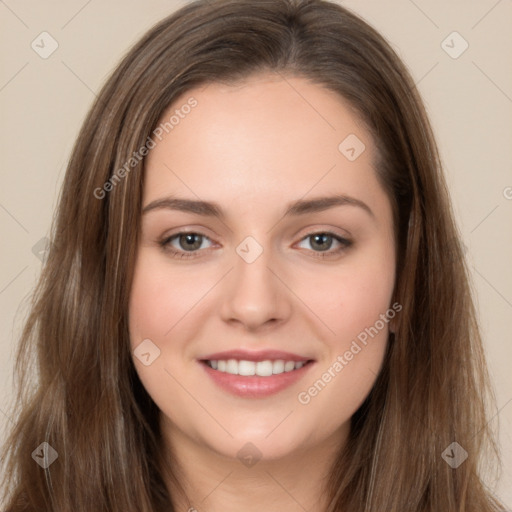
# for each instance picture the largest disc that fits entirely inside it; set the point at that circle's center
(259, 141)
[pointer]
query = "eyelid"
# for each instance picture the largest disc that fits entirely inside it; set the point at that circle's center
(312, 229)
(188, 230)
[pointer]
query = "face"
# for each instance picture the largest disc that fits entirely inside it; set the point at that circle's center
(261, 300)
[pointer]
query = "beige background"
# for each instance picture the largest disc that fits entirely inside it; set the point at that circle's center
(43, 102)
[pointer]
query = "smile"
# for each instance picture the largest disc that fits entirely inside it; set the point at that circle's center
(249, 368)
(255, 374)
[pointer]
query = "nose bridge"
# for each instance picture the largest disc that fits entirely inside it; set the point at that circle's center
(255, 295)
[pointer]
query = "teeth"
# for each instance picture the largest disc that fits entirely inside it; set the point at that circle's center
(260, 368)
(232, 366)
(246, 368)
(278, 366)
(264, 368)
(289, 366)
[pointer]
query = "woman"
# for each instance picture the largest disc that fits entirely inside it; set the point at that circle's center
(256, 295)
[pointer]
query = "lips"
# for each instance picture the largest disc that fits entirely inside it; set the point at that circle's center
(255, 374)
(261, 355)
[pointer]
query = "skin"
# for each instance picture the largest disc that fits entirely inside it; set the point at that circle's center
(253, 149)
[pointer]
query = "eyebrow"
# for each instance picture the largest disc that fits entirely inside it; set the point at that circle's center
(299, 207)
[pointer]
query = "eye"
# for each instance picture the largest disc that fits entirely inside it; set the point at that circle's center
(187, 244)
(322, 242)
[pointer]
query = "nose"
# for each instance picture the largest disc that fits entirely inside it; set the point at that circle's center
(255, 295)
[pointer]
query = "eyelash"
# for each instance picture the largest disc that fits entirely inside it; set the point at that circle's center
(165, 244)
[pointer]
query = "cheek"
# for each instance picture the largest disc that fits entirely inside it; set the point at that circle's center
(355, 303)
(352, 298)
(158, 299)
(354, 310)
(148, 303)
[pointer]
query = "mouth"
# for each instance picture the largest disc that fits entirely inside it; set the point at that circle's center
(255, 374)
(265, 368)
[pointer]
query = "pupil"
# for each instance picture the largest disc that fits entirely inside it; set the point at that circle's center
(189, 241)
(323, 238)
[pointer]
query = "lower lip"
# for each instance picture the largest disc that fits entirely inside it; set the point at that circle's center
(255, 386)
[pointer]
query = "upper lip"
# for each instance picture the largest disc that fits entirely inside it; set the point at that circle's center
(259, 355)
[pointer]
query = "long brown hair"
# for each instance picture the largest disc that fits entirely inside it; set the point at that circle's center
(86, 400)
